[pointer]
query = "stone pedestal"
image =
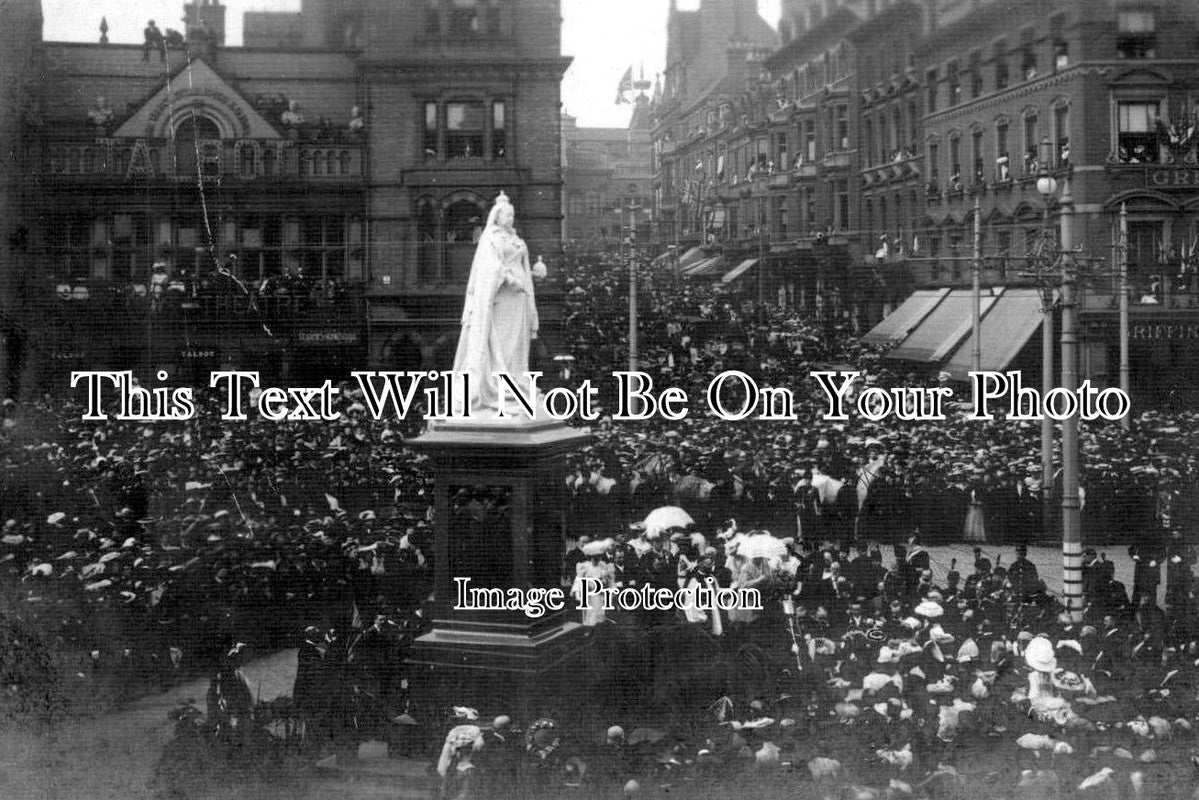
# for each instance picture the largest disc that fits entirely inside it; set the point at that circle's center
(500, 519)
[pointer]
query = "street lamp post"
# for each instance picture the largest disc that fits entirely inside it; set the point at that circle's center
(976, 360)
(1125, 381)
(1071, 505)
(761, 259)
(1046, 187)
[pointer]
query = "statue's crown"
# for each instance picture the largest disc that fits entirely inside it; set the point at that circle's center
(502, 199)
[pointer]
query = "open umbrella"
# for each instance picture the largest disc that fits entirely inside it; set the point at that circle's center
(762, 545)
(665, 518)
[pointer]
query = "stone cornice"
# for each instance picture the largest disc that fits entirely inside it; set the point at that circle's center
(1007, 95)
(486, 70)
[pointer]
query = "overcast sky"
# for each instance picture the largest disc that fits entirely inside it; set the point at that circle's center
(604, 36)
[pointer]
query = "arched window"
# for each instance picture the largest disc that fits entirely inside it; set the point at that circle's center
(463, 222)
(247, 161)
(194, 145)
(447, 235)
(426, 237)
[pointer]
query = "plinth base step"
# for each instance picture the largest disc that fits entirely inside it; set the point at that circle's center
(378, 779)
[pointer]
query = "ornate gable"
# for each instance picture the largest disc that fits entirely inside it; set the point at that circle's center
(197, 88)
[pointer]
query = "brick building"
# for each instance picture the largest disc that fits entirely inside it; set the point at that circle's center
(713, 57)
(346, 176)
(849, 157)
(20, 58)
(606, 170)
(274, 30)
(1103, 97)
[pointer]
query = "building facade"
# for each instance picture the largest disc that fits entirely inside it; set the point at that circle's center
(852, 154)
(303, 211)
(713, 59)
(606, 172)
(1102, 97)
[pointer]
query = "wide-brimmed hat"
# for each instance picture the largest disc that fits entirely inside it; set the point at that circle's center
(929, 609)
(1039, 655)
(939, 635)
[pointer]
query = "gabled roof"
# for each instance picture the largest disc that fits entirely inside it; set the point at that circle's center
(196, 87)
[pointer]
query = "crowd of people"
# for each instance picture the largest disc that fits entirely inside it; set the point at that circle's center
(163, 544)
(168, 543)
(933, 472)
(890, 683)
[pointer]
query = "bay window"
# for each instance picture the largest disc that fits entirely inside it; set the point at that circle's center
(465, 129)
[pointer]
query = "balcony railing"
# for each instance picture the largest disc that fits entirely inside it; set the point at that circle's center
(169, 159)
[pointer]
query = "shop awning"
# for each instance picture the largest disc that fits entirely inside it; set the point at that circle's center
(691, 258)
(739, 270)
(903, 320)
(709, 266)
(940, 333)
(1005, 330)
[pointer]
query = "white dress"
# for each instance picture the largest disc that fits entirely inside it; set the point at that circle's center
(603, 572)
(975, 529)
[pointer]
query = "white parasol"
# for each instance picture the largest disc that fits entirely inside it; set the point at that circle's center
(762, 545)
(666, 518)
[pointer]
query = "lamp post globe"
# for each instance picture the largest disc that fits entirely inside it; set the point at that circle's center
(1046, 186)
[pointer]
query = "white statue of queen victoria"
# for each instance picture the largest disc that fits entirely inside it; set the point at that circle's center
(499, 320)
